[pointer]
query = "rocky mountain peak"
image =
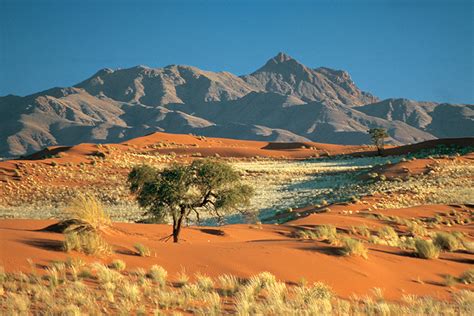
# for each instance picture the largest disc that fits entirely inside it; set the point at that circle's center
(281, 63)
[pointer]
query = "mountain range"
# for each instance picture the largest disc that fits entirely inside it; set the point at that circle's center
(282, 101)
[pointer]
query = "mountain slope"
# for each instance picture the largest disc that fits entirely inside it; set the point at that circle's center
(284, 100)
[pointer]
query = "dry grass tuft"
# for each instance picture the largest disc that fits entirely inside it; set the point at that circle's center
(118, 265)
(87, 213)
(88, 242)
(354, 247)
(467, 277)
(158, 274)
(142, 250)
(447, 241)
(425, 249)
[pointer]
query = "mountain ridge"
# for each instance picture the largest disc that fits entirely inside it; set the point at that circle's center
(283, 100)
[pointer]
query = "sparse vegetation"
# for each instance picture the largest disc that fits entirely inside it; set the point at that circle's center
(158, 274)
(85, 212)
(88, 242)
(142, 250)
(361, 230)
(204, 282)
(449, 280)
(327, 232)
(447, 241)
(353, 247)
(467, 277)
(182, 278)
(118, 265)
(229, 284)
(425, 249)
(261, 294)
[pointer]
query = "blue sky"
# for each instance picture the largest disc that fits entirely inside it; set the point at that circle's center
(421, 50)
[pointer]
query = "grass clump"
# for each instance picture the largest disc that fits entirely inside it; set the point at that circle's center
(447, 241)
(158, 274)
(228, 284)
(387, 233)
(361, 230)
(204, 282)
(450, 280)
(327, 232)
(354, 247)
(142, 250)
(426, 249)
(467, 277)
(86, 213)
(416, 229)
(118, 265)
(87, 242)
(182, 278)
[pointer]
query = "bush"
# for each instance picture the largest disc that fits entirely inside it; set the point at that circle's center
(354, 247)
(142, 250)
(447, 241)
(118, 265)
(426, 249)
(88, 242)
(158, 274)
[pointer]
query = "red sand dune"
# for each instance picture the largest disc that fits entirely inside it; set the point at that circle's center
(245, 250)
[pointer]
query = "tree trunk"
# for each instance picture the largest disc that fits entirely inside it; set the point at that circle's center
(177, 225)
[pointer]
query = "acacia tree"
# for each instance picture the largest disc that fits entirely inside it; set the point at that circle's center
(176, 192)
(378, 136)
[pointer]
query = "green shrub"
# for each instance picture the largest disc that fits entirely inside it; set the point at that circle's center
(142, 250)
(426, 249)
(354, 247)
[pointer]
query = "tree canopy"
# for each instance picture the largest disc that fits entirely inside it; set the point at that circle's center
(179, 190)
(378, 136)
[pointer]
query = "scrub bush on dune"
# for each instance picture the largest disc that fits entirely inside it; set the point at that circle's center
(425, 249)
(353, 247)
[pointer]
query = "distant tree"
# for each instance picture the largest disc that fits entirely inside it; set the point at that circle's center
(202, 186)
(378, 136)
